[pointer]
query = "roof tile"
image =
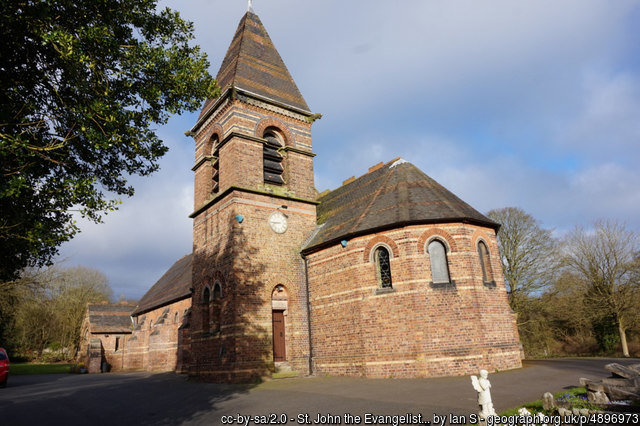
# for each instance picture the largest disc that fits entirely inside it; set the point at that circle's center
(110, 318)
(174, 285)
(390, 195)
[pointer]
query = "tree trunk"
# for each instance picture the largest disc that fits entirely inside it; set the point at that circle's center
(623, 339)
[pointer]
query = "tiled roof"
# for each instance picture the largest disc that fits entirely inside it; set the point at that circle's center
(389, 196)
(252, 63)
(174, 285)
(110, 318)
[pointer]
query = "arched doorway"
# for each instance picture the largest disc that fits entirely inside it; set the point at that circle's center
(279, 306)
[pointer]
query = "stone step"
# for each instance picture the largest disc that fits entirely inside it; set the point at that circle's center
(282, 367)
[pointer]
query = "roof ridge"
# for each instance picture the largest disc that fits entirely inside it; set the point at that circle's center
(371, 169)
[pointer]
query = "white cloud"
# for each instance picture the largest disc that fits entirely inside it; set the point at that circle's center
(609, 188)
(608, 123)
(138, 243)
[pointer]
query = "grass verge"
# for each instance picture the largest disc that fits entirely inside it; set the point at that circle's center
(18, 369)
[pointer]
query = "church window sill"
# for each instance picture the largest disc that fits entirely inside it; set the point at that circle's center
(443, 285)
(385, 290)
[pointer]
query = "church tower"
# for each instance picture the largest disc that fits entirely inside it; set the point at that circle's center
(254, 209)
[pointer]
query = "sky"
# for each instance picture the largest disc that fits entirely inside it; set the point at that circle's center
(531, 103)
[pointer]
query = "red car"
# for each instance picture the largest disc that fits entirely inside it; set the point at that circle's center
(4, 368)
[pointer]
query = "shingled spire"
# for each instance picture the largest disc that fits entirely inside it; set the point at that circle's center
(253, 64)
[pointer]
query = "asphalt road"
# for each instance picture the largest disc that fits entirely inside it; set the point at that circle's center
(171, 399)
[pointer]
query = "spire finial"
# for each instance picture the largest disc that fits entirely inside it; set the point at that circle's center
(250, 6)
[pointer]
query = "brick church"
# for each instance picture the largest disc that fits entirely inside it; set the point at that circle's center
(389, 275)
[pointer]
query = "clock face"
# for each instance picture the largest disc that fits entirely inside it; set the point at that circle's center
(278, 222)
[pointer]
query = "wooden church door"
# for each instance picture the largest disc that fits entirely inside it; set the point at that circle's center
(279, 348)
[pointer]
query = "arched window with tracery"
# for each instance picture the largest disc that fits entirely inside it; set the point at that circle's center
(439, 264)
(383, 267)
(485, 263)
(272, 159)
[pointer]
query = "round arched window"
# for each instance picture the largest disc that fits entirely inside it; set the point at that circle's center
(383, 267)
(485, 262)
(272, 159)
(439, 265)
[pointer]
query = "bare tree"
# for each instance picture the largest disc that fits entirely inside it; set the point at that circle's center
(47, 306)
(563, 310)
(606, 257)
(72, 289)
(529, 254)
(16, 299)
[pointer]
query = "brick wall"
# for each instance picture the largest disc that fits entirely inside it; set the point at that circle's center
(240, 157)
(417, 329)
(153, 345)
(114, 354)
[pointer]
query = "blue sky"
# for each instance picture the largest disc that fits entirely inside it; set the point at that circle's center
(528, 103)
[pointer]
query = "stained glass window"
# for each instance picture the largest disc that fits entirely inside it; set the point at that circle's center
(383, 266)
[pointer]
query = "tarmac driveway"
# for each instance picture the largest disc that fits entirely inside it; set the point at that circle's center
(170, 399)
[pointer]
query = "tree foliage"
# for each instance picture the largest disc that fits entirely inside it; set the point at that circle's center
(84, 87)
(528, 253)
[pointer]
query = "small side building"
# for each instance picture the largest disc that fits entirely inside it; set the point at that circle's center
(108, 326)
